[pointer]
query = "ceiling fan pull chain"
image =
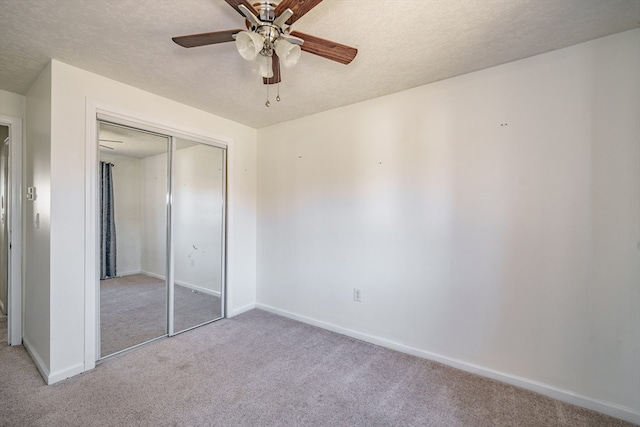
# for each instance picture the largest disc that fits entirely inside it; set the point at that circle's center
(278, 97)
(268, 104)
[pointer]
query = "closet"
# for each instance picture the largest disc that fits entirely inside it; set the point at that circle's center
(161, 235)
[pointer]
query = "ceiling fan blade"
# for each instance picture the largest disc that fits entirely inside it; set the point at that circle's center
(298, 7)
(194, 40)
(236, 5)
(275, 65)
(326, 48)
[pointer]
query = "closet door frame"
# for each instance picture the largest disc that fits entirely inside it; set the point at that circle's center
(170, 270)
(99, 111)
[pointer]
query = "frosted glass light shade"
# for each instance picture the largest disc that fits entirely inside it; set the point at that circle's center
(288, 53)
(249, 44)
(262, 66)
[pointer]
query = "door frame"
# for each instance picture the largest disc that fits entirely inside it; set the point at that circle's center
(95, 109)
(14, 201)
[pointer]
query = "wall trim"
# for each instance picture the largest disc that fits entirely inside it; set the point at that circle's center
(42, 367)
(607, 408)
(56, 377)
(152, 274)
(185, 284)
(129, 273)
(244, 309)
(198, 288)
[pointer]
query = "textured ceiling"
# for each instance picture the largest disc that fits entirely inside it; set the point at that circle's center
(401, 43)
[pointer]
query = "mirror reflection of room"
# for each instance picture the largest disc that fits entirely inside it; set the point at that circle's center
(133, 188)
(4, 223)
(134, 194)
(197, 211)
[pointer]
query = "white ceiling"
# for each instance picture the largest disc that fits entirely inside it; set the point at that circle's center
(402, 44)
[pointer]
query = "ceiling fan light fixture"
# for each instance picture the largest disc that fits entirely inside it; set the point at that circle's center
(249, 44)
(262, 66)
(288, 53)
(269, 40)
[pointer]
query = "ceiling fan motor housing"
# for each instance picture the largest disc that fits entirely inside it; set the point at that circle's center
(267, 10)
(270, 34)
(266, 27)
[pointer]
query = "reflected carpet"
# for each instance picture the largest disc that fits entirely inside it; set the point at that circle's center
(133, 310)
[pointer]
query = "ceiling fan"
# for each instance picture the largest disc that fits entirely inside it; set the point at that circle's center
(269, 39)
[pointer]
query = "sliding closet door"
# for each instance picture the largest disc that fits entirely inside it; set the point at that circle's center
(198, 234)
(162, 234)
(133, 234)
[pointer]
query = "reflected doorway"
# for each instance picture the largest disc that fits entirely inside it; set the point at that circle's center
(11, 208)
(4, 227)
(161, 221)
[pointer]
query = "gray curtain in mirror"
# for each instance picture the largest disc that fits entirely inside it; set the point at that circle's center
(107, 223)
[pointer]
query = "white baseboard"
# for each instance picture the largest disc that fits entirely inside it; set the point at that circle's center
(199, 288)
(148, 273)
(129, 273)
(185, 284)
(50, 378)
(65, 373)
(240, 310)
(612, 409)
(37, 360)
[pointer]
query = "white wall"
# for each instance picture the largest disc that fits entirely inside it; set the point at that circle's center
(70, 89)
(127, 195)
(12, 104)
(37, 251)
(492, 221)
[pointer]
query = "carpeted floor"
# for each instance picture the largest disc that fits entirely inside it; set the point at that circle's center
(259, 369)
(133, 310)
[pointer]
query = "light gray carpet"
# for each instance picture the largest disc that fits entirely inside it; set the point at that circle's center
(133, 310)
(259, 369)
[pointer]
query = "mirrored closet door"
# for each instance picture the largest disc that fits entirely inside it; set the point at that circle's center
(198, 233)
(161, 235)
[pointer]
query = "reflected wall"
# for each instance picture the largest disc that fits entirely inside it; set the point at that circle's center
(198, 221)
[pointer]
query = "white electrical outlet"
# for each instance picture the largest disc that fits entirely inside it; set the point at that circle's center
(357, 294)
(31, 193)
